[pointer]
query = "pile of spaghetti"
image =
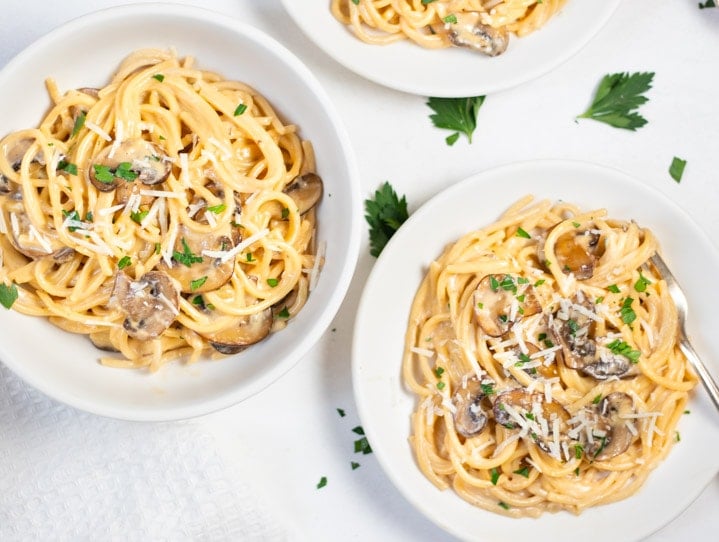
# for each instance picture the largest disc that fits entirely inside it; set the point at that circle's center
(543, 353)
(169, 214)
(482, 25)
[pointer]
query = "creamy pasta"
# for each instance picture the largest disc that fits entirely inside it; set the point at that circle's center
(542, 350)
(167, 215)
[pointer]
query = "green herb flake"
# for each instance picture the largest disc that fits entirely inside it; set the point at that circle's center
(158, 248)
(138, 216)
(186, 257)
(451, 139)
(493, 283)
(599, 300)
(385, 213)
(8, 294)
(578, 451)
(425, 2)
(676, 169)
(576, 471)
(677, 436)
(354, 465)
(217, 209)
(576, 224)
(362, 446)
(249, 257)
(89, 216)
(522, 280)
(522, 233)
(285, 213)
(494, 473)
(124, 171)
(488, 389)
(438, 372)
(272, 282)
(524, 471)
(103, 173)
(707, 4)
(74, 216)
(198, 300)
(623, 349)
(613, 288)
(358, 430)
(284, 313)
(480, 305)
(642, 283)
(687, 412)
(596, 400)
(627, 312)
(197, 283)
(67, 167)
(440, 385)
(322, 483)
(159, 77)
(503, 504)
(124, 262)
(450, 19)
(456, 114)
(539, 282)
(341, 412)
(240, 109)
(618, 98)
(79, 123)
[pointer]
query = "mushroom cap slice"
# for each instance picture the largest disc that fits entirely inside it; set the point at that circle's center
(149, 303)
(469, 417)
(468, 31)
(613, 411)
(493, 301)
(148, 161)
(243, 332)
(609, 365)
(577, 252)
(32, 242)
(305, 190)
(574, 331)
(214, 271)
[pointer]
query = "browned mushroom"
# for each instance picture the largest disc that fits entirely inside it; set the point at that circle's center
(611, 436)
(469, 416)
(204, 274)
(467, 30)
(132, 160)
(149, 303)
(14, 156)
(577, 252)
(493, 300)
(305, 190)
(28, 240)
(241, 333)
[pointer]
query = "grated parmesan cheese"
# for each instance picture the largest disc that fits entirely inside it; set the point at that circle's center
(99, 131)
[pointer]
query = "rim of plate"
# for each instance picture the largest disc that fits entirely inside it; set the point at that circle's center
(379, 63)
(417, 494)
(345, 272)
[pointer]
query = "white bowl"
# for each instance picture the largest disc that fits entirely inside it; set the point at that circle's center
(84, 53)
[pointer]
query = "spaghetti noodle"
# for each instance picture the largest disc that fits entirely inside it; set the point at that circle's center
(542, 351)
(482, 25)
(168, 215)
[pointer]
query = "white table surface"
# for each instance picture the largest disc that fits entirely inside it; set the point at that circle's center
(394, 140)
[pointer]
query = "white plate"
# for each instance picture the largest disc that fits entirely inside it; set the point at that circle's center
(385, 406)
(85, 52)
(453, 72)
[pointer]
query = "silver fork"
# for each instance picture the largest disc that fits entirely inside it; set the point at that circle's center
(680, 301)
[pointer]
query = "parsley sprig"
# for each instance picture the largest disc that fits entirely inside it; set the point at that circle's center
(457, 114)
(617, 99)
(384, 213)
(186, 257)
(8, 294)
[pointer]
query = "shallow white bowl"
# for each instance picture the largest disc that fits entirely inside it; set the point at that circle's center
(84, 53)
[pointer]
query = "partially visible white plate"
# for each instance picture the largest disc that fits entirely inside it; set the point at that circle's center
(410, 68)
(385, 405)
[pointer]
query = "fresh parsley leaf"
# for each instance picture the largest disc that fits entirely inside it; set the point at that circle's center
(450, 19)
(355, 465)
(359, 430)
(79, 123)
(524, 471)
(504, 505)
(159, 77)
(284, 313)
(341, 412)
(124, 262)
(186, 257)
(458, 114)
(384, 213)
(64, 165)
(124, 171)
(425, 2)
(322, 483)
(522, 233)
(642, 282)
(272, 282)
(362, 445)
(620, 347)
(613, 288)
(217, 209)
(103, 173)
(240, 109)
(676, 169)
(617, 99)
(495, 475)
(627, 312)
(707, 4)
(138, 216)
(197, 283)
(8, 294)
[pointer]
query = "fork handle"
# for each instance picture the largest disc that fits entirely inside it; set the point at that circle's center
(709, 383)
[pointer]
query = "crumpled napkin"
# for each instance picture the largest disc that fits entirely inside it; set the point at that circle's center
(69, 475)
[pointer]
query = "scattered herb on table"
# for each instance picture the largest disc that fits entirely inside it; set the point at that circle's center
(707, 4)
(456, 114)
(676, 169)
(322, 483)
(384, 213)
(341, 412)
(617, 99)
(355, 465)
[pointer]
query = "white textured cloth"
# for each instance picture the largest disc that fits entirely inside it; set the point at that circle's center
(69, 475)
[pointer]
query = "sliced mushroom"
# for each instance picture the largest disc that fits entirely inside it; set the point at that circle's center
(494, 299)
(577, 252)
(243, 332)
(548, 421)
(146, 160)
(469, 416)
(468, 31)
(574, 331)
(149, 303)
(14, 156)
(90, 91)
(609, 365)
(29, 240)
(611, 434)
(208, 273)
(305, 190)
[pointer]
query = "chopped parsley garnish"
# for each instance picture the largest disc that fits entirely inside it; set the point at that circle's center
(487, 389)
(578, 450)
(124, 171)
(240, 109)
(503, 318)
(642, 283)
(272, 282)
(618, 98)
(72, 216)
(64, 165)
(508, 285)
(384, 213)
(138, 216)
(355, 2)
(548, 343)
(284, 313)
(623, 349)
(599, 300)
(249, 257)
(521, 298)
(103, 173)
(522, 233)
(186, 257)
(627, 312)
(124, 262)
(493, 283)
(197, 283)
(89, 217)
(522, 280)
(539, 282)
(687, 412)
(503, 504)
(438, 372)
(159, 77)
(8, 294)
(603, 439)
(158, 248)
(480, 305)
(576, 224)
(322, 483)
(450, 19)
(285, 213)
(524, 358)
(676, 169)
(530, 416)
(573, 326)
(495, 475)
(198, 300)
(354, 465)
(596, 400)
(707, 4)
(576, 471)
(425, 2)
(524, 471)
(440, 385)
(456, 114)
(79, 123)
(341, 412)
(362, 445)
(217, 209)
(677, 436)
(613, 288)
(358, 429)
